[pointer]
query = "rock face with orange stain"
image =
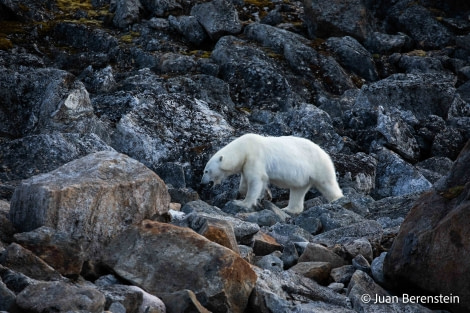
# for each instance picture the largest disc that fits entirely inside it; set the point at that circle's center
(93, 198)
(163, 258)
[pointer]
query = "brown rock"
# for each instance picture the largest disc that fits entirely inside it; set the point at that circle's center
(91, 199)
(163, 258)
(55, 248)
(430, 254)
(318, 253)
(318, 271)
(263, 244)
(22, 260)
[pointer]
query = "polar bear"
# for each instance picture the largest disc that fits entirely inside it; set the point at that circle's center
(287, 162)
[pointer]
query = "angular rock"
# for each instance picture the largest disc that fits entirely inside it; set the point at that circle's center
(435, 231)
(32, 155)
(60, 296)
(218, 17)
(395, 177)
(19, 259)
(331, 216)
(189, 27)
(318, 253)
(357, 171)
(342, 274)
(271, 262)
(7, 230)
(255, 80)
(360, 246)
(45, 100)
(189, 124)
(371, 230)
(161, 7)
(367, 296)
(56, 248)
(220, 277)
(377, 269)
(264, 244)
(301, 57)
(183, 301)
(7, 298)
(127, 12)
(340, 17)
(92, 199)
(216, 230)
(398, 135)
(15, 281)
(354, 57)
(382, 43)
(318, 271)
(419, 23)
(273, 293)
(244, 231)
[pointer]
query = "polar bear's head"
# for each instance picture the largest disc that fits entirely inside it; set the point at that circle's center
(215, 170)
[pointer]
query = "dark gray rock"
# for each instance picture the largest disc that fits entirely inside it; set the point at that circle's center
(367, 296)
(62, 296)
(273, 293)
(189, 27)
(15, 281)
(357, 171)
(287, 233)
(371, 230)
(341, 18)
(377, 270)
(7, 298)
(45, 100)
(126, 12)
(395, 177)
(161, 8)
(256, 80)
(300, 56)
(354, 57)
(383, 43)
(329, 215)
(150, 132)
(36, 154)
(218, 17)
(271, 262)
(418, 22)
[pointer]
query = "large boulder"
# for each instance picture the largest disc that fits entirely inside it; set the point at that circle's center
(163, 258)
(430, 253)
(92, 199)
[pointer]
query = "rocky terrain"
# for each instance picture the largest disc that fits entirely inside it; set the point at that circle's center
(109, 110)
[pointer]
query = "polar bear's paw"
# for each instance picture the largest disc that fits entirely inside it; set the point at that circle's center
(293, 211)
(243, 203)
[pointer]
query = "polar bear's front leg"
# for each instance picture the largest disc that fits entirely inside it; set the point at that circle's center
(255, 191)
(242, 189)
(296, 200)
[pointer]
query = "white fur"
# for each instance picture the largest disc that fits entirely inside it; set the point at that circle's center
(287, 162)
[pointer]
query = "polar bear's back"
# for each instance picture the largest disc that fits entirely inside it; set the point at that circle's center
(290, 161)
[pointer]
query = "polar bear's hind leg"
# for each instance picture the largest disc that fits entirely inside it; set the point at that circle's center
(296, 200)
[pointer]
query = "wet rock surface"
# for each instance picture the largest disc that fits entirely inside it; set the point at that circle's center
(109, 111)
